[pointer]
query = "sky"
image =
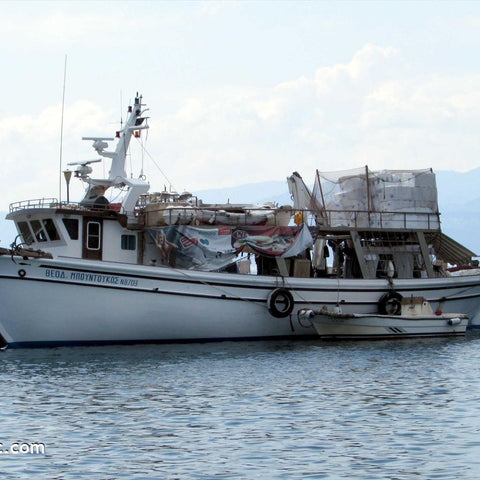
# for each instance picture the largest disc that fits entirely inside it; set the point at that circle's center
(237, 91)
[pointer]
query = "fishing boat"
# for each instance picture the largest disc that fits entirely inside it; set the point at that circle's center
(415, 319)
(166, 267)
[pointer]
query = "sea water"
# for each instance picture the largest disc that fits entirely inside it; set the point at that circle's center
(279, 409)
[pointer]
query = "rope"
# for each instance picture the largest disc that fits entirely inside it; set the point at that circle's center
(144, 150)
(203, 282)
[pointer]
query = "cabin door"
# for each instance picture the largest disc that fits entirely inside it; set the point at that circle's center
(92, 238)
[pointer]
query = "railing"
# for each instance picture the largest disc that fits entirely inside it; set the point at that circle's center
(35, 203)
(38, 203)
(329, 220)
(390, 220)
(364, 219)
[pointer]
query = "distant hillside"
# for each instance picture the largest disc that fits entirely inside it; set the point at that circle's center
(274, 191)
(458, 189)
(459, 204)
(458, 197)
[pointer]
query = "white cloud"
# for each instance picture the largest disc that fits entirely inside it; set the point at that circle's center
(108, 25)
(369, 64)
(370, 110)
(31, 157)
(448, 103)
(365, 111)
(214, 7)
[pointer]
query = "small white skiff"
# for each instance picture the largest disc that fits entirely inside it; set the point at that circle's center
(416, 319)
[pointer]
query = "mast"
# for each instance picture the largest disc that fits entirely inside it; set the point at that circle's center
(117, 176)
(134, 123)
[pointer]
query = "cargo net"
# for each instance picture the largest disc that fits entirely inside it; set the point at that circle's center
(376, 199)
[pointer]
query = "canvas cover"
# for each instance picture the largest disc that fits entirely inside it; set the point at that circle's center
(272, 241)
(212, 249)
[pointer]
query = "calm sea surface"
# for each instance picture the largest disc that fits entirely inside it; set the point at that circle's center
(281, 409)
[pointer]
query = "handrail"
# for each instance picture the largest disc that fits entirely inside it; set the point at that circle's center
(328, 219)
(33, 203)
(39, 203)
(393, 219)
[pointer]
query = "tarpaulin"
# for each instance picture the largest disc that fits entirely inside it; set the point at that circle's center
(272, 241)
(214, 248)
(189, 247)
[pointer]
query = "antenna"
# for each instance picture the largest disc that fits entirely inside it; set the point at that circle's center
(121, 110)
(61, 133)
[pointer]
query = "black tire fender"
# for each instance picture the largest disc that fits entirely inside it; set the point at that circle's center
(280, 302)
(390, 303)
(22, 273)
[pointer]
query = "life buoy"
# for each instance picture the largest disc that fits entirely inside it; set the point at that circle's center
(280, 302)
(22, 273)
(390, 303)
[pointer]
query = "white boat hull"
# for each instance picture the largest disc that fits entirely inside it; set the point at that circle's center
(389, 326)
(62, 302)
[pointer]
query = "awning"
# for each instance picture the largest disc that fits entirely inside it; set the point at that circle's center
(450, 251)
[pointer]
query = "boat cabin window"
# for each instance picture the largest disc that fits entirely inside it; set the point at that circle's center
(128, 242)
(25, 232)
(93, 235)
(71, 224)
(38, 231)
(50, 228)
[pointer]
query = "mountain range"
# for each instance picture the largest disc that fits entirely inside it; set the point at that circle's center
(458, 200)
